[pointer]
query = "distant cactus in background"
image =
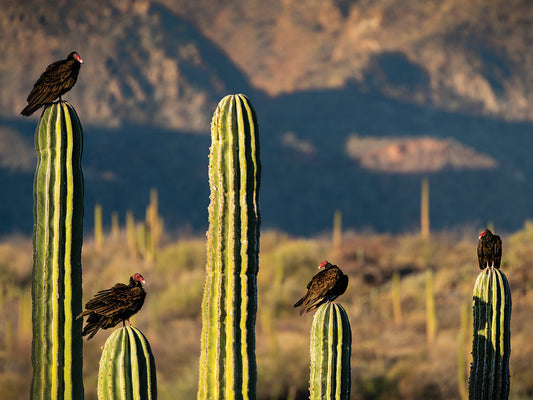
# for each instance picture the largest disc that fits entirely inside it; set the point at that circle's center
(98, 230)
(396, 299)
(140, 239)
(431, 313)
(337, 232)
(331, 348)
(227, 360)
(424, 208)
(153, 227)
(127, 367)
(130, 233)
(491, 348)
(154, 220)
(57, 241)
(144, 237)
(115, 227)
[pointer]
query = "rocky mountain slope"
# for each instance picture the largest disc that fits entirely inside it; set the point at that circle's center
(444, 85)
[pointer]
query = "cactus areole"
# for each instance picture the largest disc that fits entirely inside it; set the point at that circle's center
(57, 240)
(227, 360)
(491, 347)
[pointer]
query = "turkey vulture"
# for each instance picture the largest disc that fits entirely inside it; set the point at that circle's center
(109, 307)
(489, 250)
(57, 80)
(325, 286)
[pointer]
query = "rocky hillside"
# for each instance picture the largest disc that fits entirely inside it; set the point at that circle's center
(142, 64)
(166, 62)
(438, 88)
(468, 56)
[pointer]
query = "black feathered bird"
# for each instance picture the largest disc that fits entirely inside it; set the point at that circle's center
(57, 80)
(109, 307)
(325, 286)
(489, 250)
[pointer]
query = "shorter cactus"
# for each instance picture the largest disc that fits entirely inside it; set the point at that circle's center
(331, 348)
(127, 367)
(491, 348)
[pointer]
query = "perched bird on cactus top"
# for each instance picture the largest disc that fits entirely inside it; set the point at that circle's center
(489, 250)
(325, 287)
(57, 80)
(109, 307)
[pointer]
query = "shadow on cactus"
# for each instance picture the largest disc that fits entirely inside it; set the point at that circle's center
(491, 347)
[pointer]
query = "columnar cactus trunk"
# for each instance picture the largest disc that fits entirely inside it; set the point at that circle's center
(227, 361)
(57, 240)
(127, 367)
(491, 348)
(331, 348)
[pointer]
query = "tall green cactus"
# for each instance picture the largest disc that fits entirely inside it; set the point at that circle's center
(127, 367)
(227, 361)
(331, 348)
(491, 348)
(57, 240)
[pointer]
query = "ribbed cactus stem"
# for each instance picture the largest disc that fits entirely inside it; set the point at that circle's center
(227, 361)
(127, 367)
(491, 347)
(57, 240)
(331, 348)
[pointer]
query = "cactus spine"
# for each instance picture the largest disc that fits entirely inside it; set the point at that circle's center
(331, 348)
(227, 360)
(461, 356)
(57, 240)
(127, 367)
(491, 347)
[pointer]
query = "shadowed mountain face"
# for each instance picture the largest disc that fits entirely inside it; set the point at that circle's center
(153, 75)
